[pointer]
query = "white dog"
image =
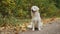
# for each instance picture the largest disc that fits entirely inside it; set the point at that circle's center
(36, 19)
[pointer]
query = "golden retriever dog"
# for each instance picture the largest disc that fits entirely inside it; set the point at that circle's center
(36, 19)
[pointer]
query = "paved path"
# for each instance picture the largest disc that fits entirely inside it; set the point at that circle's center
(53, 28)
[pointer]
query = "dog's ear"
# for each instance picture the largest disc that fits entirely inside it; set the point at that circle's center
(31, 14)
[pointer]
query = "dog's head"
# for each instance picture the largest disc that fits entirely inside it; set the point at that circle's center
(34, 9)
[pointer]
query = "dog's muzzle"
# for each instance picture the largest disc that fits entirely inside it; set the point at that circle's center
(33, 11)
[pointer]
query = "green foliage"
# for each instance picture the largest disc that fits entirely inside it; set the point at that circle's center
(10, 10)
(57, 3)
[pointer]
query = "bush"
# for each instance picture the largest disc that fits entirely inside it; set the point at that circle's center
(11, 10)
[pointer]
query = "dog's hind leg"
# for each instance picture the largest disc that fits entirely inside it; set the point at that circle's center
(39, 25)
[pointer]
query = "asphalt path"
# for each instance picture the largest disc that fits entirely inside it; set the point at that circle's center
(50, 28)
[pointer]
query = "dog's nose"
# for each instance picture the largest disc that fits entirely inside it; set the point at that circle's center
(33, 11)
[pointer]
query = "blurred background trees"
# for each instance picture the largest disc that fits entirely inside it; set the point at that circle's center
(13, 10)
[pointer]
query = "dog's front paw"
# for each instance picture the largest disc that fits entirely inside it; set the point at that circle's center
(39, 29)
(33, 29)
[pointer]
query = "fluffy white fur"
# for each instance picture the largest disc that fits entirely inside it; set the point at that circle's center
(36, 19)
